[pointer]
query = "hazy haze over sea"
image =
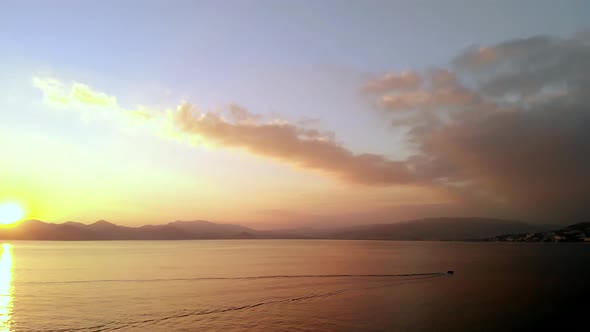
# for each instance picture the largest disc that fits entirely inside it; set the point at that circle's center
(229, 285)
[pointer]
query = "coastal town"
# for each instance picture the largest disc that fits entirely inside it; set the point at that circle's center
(574, 233)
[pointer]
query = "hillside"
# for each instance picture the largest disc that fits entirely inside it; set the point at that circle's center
(444, 229)
(579, 232)
(104, 230)
(437, 229)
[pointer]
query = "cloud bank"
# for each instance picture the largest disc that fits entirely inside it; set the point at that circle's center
(508, 123)
(503, 130)
(237, 128)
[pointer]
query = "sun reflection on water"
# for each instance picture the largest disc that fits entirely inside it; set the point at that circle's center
(6, 287)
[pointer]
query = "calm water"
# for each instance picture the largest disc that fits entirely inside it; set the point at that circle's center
(212, 286)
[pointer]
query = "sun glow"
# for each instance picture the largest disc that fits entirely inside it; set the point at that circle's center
(11, 213)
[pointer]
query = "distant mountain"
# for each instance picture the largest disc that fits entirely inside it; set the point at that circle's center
(102, 225)
(579, 232)
(424, 229)
(583, 226)
(104, 230)
(446, 229)
(207, 229)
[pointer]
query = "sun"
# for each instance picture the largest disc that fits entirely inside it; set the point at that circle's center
(11, 213)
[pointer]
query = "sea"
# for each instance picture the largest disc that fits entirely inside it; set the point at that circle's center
(293, 285)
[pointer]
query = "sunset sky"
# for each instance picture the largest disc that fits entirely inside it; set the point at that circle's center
(288, 113)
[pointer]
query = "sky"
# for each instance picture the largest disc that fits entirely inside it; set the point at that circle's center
(295, 113)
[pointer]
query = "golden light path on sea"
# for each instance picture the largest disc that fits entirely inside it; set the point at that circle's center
(6, 287)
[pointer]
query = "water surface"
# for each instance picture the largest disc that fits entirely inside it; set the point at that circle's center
(291, 285)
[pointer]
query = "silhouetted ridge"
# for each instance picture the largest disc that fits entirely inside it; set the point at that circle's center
(437, 229)
(424, 229)
(74, 224)
(207, 229)
(103, 224)
(580, 226)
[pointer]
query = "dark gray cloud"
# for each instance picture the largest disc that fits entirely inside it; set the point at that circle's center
(502, 133)
(518, 140)
(527, 67)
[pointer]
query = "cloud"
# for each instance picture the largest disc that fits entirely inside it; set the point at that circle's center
(297, 145)
(537, 161)
(92, 103)
(511, 50)
(55, 91)
(506, 129)
(240, 114)
(528, 67)
(301, 147)
(403, 81)
(501, 132)
(437, 89)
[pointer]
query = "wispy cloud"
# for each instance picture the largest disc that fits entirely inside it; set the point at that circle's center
(237, 128)
(54, 91)
(403, 81)
(432, 90)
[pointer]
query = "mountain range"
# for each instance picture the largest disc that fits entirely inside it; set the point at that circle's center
(444, 229)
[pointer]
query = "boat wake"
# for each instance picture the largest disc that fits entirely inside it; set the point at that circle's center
(432, 274)
(117, 325)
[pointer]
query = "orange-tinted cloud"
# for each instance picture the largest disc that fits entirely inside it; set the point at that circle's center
(484, 57)
(440, 89)
(404, 81)
(297, 145)
(305, 148)
(241, 115)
